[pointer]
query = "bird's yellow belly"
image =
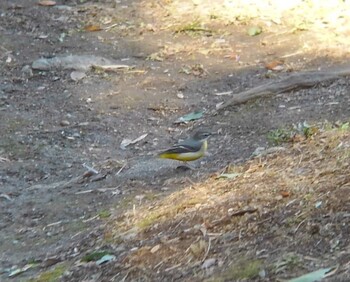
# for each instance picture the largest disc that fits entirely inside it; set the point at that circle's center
(185, 157)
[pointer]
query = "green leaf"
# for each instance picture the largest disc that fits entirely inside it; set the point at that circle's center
(94, 256)
(313, 276)
(344, 126)
(254, 30)
(189, 117)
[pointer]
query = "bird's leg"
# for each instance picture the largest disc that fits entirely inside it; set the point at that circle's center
(189, 166)
(185, 166)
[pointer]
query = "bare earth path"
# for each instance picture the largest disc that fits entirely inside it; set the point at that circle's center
(52, 208)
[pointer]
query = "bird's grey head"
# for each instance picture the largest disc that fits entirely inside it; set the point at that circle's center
(201, 135)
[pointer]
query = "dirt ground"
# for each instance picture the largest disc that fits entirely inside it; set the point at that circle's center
(182, 57)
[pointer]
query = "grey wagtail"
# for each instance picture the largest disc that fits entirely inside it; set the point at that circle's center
(188, 150)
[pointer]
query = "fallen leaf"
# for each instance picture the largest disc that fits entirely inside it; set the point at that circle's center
(2, 159)
(104, 259)
(276, 65)
(189, 117)
(218, 105)
(50, 262)
(198, 248)
(94, 256)
(92, 28)
(158, 56)
(254, 30)
(5, 196)
(126, 142)
(47, 3)
(285, 194)
(229, 175)
(20, 270)
(155, 249)
(315, 275)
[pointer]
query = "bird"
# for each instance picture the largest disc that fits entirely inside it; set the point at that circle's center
(190, 149)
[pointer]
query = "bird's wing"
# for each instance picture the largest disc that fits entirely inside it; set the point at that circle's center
(190, 144)
(182, 148)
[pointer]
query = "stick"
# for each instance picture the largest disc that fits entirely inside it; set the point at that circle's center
(286, 84)
(207, 252)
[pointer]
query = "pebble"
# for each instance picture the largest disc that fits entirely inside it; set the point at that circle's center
(208, 263)
(64, 123)
(77, 75)
(27, 70)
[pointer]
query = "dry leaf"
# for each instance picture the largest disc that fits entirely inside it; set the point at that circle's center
(276, 65)
(92, 28)
(126, 142)
(155, 249)
(198, 248)
(47, 3)
(285, 194)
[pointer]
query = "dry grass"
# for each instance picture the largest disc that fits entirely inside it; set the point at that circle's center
(294, 202)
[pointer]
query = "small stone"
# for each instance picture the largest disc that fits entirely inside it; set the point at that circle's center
(77, 75)
(180, 95)
(262, 273)
(64, 123)
(208, 263)
(27, 70)
(139, 197)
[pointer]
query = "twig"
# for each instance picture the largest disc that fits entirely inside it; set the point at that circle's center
(124, 278)
(223, 93)
(227, 218)
(103, 190)
(91, 218)
(111, 26)
(291, 82)
(177, 225)
(158, 264)
(121, 169)
(173, 267)
(207, 252)
(83, 192)
(291, 202)
(292, 54)
(296, 229)
(90, 168)
(52, 224)
(7, 197)
(2, 159)
(242, 212)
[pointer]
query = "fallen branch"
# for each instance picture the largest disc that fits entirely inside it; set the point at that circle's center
(292, 82)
